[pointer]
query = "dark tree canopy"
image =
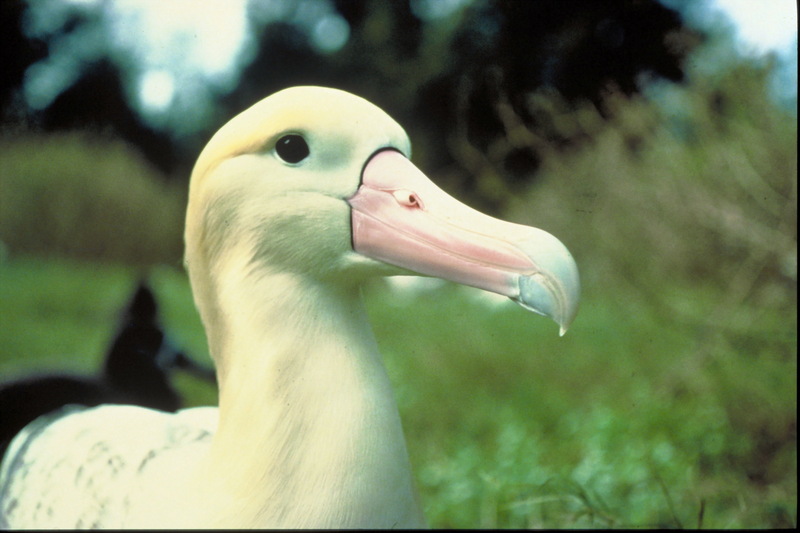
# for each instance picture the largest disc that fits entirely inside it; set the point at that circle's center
(441, 78)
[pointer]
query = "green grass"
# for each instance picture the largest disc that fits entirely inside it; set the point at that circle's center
(511, 426)
(61, 315)
(617, 424)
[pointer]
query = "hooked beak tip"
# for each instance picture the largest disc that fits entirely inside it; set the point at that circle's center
(552, 295)
(553, 290)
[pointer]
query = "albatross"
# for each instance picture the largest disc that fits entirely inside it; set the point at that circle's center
(293, 205)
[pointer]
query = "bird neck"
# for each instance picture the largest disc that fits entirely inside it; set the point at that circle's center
(309, 431)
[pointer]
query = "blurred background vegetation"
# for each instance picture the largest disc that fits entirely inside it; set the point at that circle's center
(665, 160)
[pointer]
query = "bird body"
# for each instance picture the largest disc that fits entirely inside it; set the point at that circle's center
(97, 487)
(292, 205)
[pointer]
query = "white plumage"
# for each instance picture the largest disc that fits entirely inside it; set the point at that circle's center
(292, 205)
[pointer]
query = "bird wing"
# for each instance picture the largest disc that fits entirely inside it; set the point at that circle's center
(79, 467)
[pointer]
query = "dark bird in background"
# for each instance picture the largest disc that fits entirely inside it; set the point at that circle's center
(136, 371)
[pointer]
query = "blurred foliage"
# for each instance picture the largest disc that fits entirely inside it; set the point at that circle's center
(700, 184)
(684, 212)
(85, 196)
(435, 66)
(699, 192)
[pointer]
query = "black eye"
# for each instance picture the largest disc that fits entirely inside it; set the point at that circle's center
(292, 148)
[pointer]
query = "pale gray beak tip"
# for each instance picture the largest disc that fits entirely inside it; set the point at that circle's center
(554, 290)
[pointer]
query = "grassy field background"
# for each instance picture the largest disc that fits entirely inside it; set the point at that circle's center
(671, 402)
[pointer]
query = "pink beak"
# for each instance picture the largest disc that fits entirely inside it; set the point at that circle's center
(402, 218)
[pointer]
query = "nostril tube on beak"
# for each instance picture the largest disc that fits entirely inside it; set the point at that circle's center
(407, 198)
